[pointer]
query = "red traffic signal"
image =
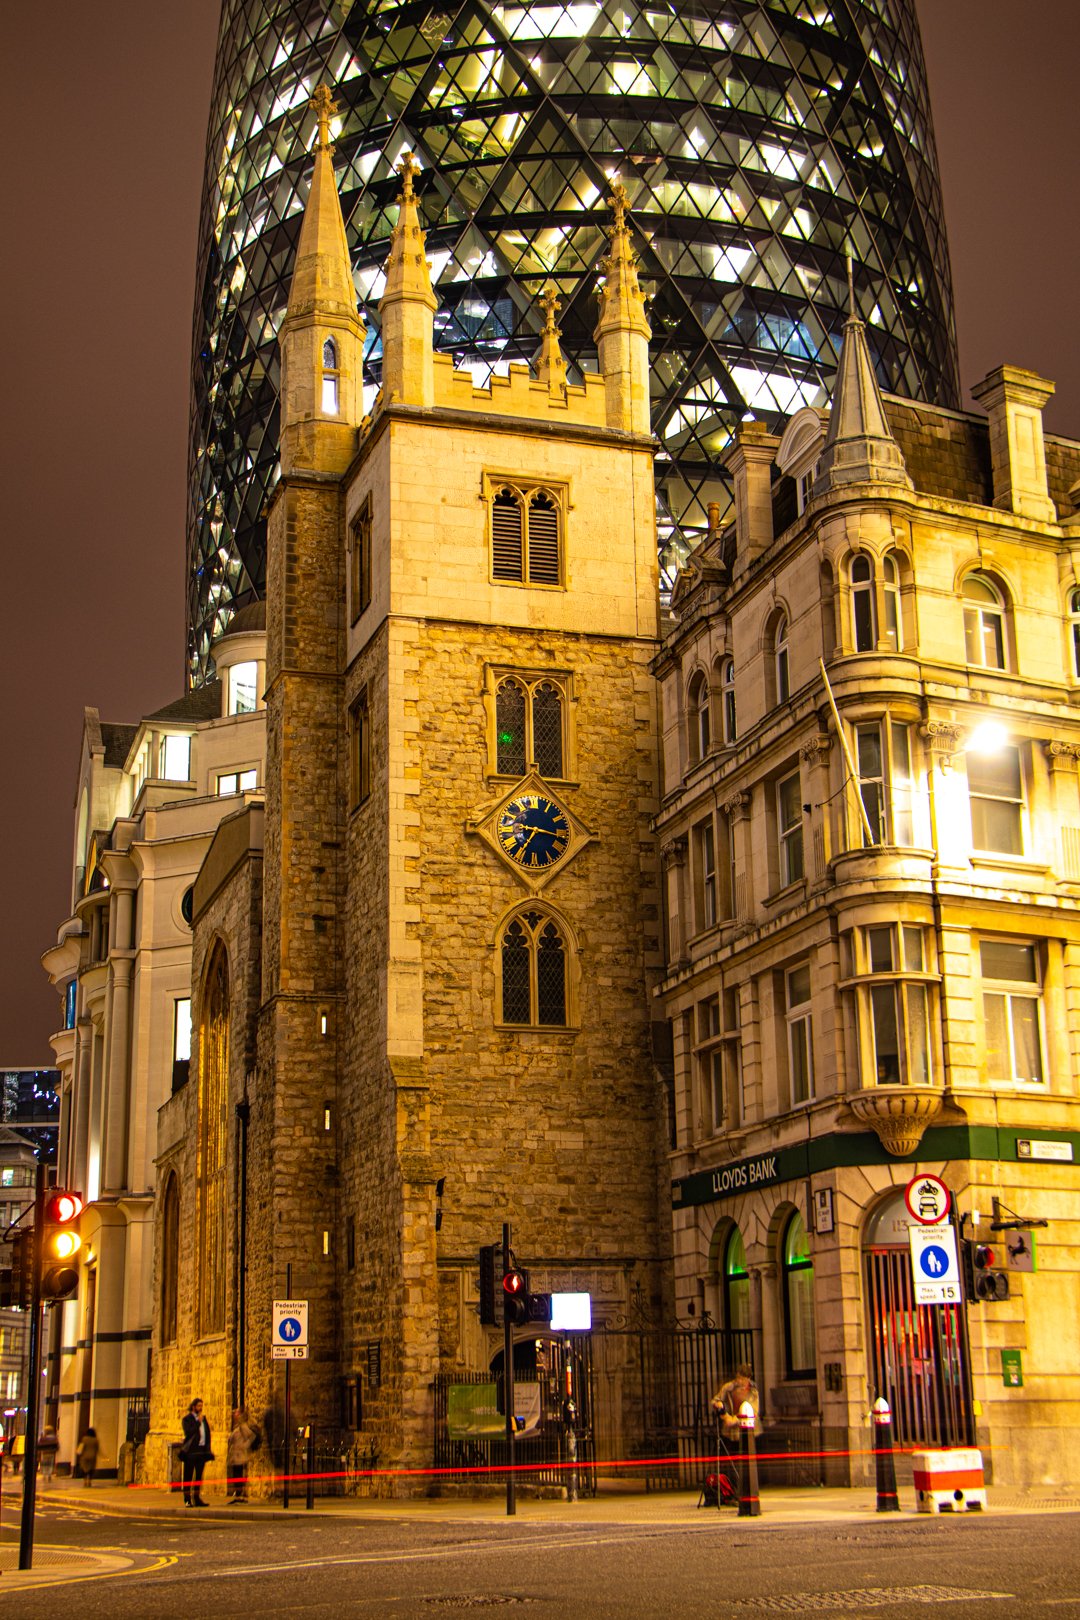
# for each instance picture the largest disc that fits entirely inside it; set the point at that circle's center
(515, 1298)
(60, 1244)
(989, 1282)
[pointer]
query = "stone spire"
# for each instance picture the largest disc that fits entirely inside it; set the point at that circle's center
(408, 304)
(859, 446)
(322, 275)
(622, 333)
(550, 365)
(322, 336)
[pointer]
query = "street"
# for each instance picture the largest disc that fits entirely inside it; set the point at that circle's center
(445, 1558)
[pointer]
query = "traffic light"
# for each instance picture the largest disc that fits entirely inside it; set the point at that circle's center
(60, 1244)
(16, 1290)
(515, 1298)
(983, 1276)
(538, 1308)
(487, 1285)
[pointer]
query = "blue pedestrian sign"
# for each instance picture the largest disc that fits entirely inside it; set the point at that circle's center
(935, 1270)
(290, 1322)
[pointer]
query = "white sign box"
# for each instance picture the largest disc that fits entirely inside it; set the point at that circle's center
(935, 1269)
(289, 1322)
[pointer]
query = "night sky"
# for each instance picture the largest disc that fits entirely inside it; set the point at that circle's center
(105, 113)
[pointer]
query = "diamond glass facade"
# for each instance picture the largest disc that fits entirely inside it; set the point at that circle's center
(760, 141)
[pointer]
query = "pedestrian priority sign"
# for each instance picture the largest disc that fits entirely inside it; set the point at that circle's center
(935, 1270)
(290, 1323)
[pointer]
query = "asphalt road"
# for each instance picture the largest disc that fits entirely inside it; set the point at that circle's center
(1014, 1566)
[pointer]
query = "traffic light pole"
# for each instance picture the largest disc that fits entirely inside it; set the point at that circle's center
(33, 1393)
(508, 1382)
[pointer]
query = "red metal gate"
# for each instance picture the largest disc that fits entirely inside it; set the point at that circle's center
(916, 1356)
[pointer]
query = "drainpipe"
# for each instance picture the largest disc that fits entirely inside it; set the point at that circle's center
(243, 1114)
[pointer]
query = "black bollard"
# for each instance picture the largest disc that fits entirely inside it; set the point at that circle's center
(310, 1435)
(887, 1499)
(749, 1505)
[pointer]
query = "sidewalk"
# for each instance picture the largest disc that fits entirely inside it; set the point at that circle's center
(780, 1505)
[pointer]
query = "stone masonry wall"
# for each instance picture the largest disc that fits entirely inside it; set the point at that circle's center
(191, 1366)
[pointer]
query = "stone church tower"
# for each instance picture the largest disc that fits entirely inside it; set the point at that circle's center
(438, 953)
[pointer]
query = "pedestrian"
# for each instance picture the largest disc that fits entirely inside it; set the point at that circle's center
(195, 1453)
(244, 1438)
(86, 1456)
(730, 1396)
(48, 1445)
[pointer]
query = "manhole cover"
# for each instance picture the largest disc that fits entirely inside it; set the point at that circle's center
(865, 1597)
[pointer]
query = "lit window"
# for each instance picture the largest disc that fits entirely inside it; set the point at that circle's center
(529, 726)
(1074, 630)
(799, 1338)
(996, 791)
(984, 623)
(237, 782)
(781, 664)
(883, 757)
(736, 1284)
(727, 699)
(863, 615)
(789, 823)
(1011, 1011)
(894, 625)
(526, 538)
(799, 1033)
(181, 1042)
(330, 378)
(175, 761)
(894, 1009)
(533, 980)
(243, 688)
(698, 718)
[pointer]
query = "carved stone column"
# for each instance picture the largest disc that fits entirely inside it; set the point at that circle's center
(736, 808)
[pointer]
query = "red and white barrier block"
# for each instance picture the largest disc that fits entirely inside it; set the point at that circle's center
(949, 1481)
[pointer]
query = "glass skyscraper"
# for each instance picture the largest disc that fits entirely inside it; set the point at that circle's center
(760, 142)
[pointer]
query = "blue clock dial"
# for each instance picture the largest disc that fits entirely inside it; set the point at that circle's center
(533, 831)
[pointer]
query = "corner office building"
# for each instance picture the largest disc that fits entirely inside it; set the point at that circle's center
(874, 939)
(758, 140)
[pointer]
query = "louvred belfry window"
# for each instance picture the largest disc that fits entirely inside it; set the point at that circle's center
(506, 549)
(543, 540)
(526, 536)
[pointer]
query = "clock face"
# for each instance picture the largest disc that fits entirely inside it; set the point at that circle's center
(533, 832)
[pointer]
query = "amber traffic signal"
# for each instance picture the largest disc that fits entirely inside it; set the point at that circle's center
(60, 1245)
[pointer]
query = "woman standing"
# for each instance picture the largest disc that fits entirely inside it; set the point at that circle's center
(243, 1440)
(195, 1453)
(86, 1455)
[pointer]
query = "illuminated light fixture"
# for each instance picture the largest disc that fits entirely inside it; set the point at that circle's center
(988, 737)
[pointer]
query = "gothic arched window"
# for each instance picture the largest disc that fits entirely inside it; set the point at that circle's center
(212, 1127)
(170, 1259)
(526, 536)
(330, 377)
(529, 729)
(534, 963)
